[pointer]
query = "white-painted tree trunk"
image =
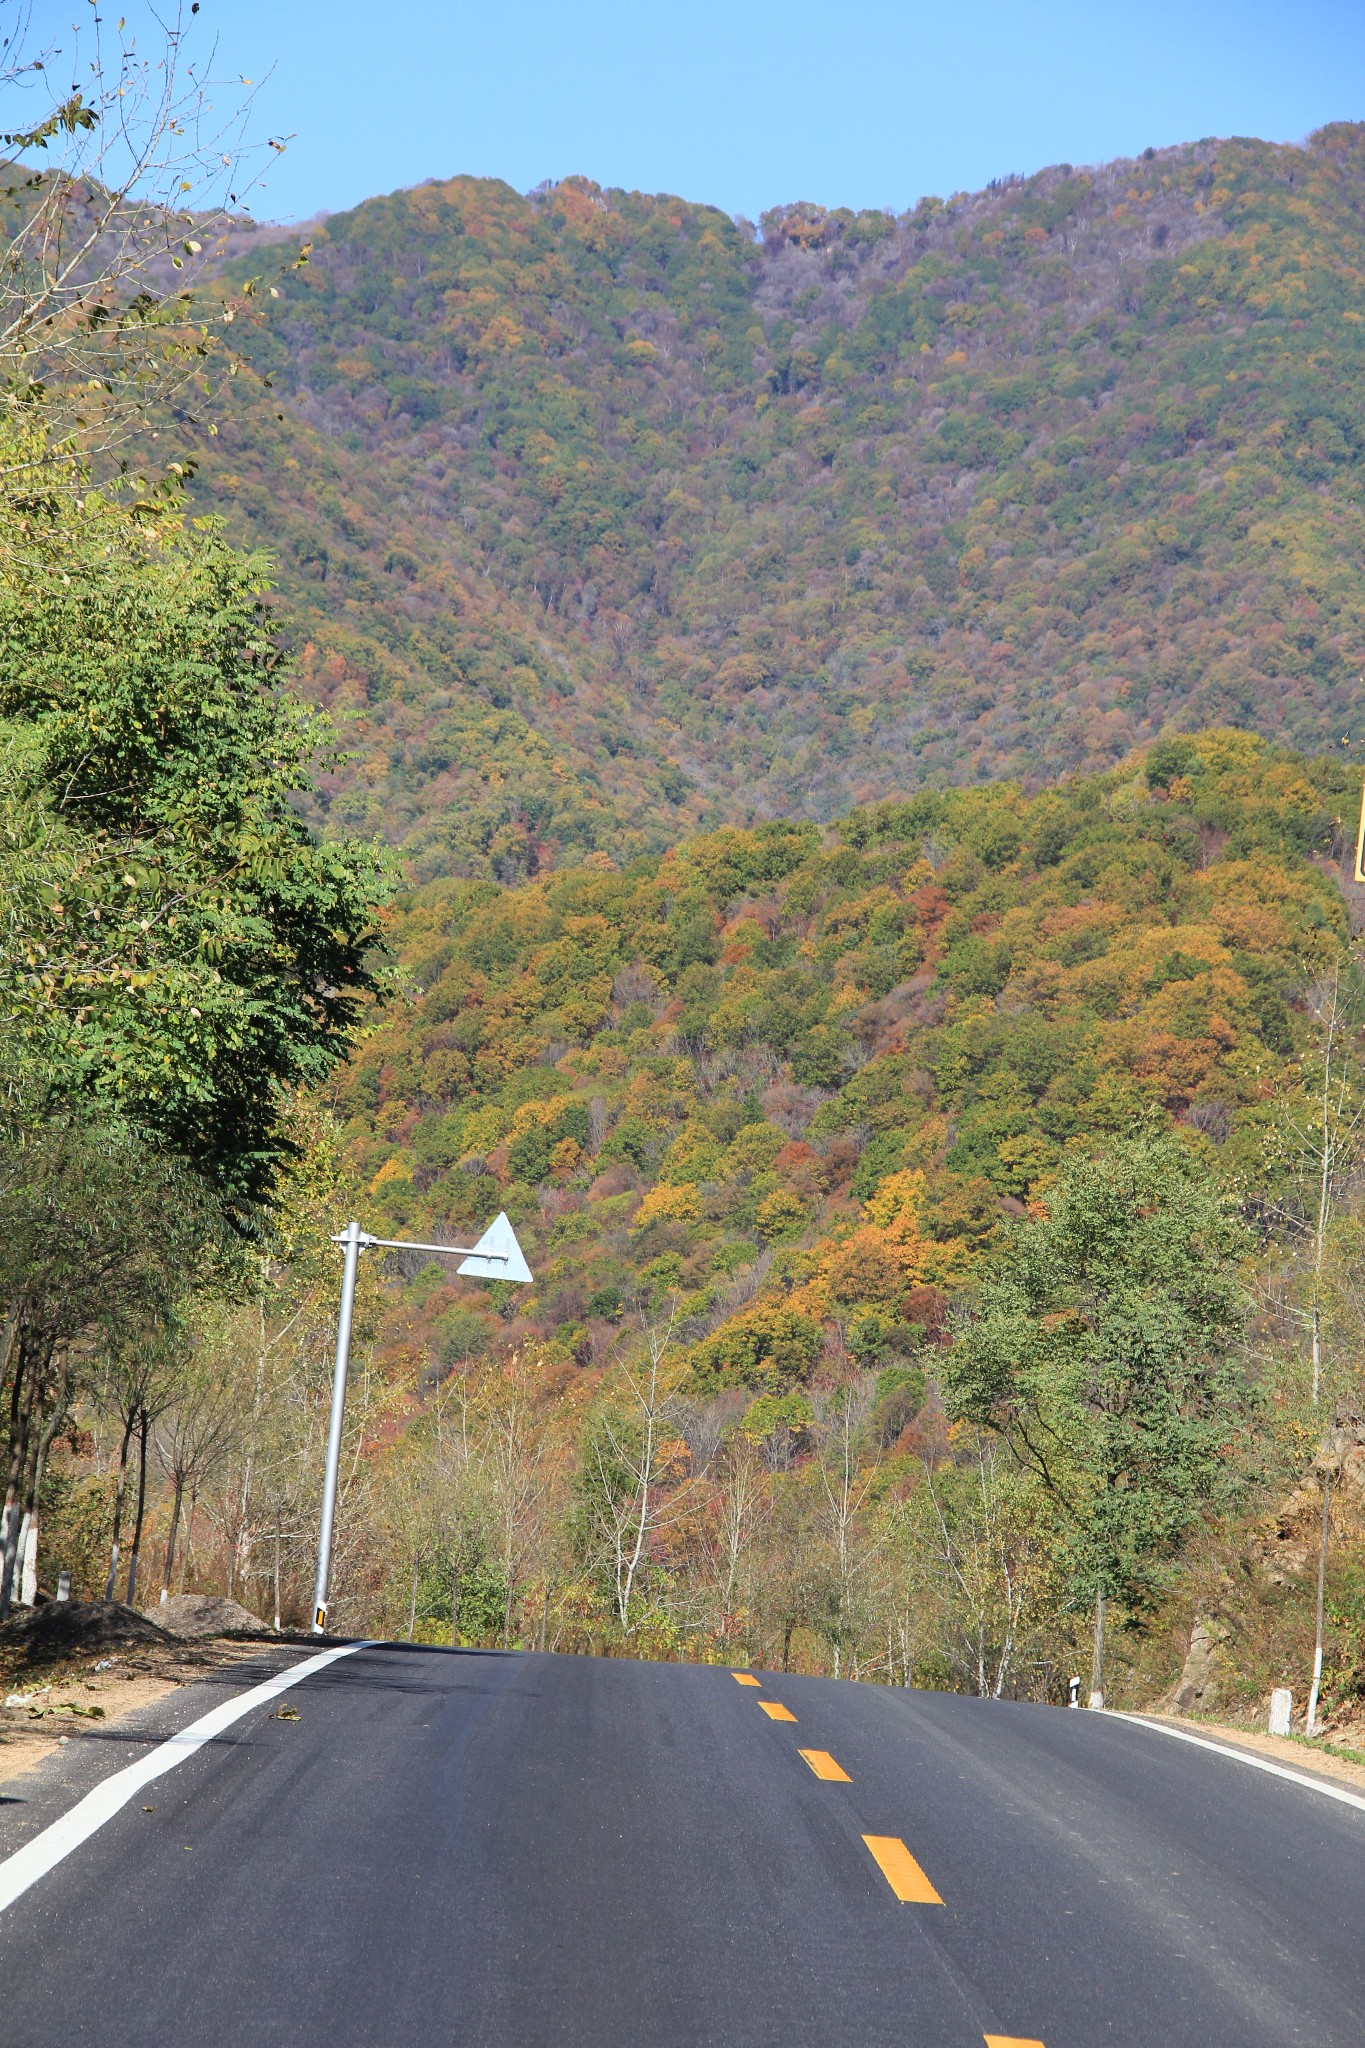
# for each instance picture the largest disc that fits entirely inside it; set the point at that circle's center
(28, 1553)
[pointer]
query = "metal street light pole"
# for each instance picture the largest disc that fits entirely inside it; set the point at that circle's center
(496, 1256)
(329, 1484)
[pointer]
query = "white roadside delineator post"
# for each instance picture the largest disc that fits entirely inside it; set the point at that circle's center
(1281, 1710)
(496, 1256)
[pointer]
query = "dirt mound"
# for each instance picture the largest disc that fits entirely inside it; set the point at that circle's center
(203, 1614)
(64, 1628)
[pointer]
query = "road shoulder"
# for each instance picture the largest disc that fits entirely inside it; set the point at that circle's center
(149, 1708)
(1295, 1756)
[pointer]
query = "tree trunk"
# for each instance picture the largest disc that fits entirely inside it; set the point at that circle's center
(112, 1580)
(1317, 1345)
(1311, 1722)
(19, 1518)
(277, 1574)
(131, 1595)
(249, 1466)
(169, 1565)
(21, 1447)
(14, 1477)
(189, 1538)
(27, 1562)
(1097, 1654)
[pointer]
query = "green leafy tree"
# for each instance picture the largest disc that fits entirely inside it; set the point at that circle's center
(1103, 1347)
(179, 955)
(194, 952)
(98, 1235)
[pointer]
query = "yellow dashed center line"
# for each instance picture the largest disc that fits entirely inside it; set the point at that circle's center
(824, 1766)
(889, 1852)
(901, 1871)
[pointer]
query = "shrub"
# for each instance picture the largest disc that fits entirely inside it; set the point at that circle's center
(767, 1345)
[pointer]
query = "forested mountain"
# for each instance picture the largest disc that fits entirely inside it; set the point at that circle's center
(611, 516)
(851, 922)
(798, 1082)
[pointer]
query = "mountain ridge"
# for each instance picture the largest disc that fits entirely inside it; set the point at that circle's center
(607, 521)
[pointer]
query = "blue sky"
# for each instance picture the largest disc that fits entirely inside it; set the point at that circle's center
(869, 104)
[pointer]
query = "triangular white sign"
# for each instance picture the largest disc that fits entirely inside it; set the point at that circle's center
(483, 1264)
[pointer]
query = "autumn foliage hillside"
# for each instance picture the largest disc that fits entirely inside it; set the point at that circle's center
(606, 517)
(795, 1081)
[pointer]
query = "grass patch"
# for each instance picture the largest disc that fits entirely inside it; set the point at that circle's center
(1352, 1756)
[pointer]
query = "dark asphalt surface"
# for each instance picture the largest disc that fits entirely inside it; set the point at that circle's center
(522, 1852)
(40, 1795)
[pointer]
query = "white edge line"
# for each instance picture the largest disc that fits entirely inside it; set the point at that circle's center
(36, 1858)
(1243, 1756)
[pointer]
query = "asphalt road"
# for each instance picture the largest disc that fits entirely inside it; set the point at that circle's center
(510, 1851)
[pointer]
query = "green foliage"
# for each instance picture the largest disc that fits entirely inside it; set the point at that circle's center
(99, 1231)
(606, 1303)
(193, 953)
(1102, 1345)
(768, 1345)
(779, 1419)
(1344, 1669)
(461, 1333)
(483, 1596)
